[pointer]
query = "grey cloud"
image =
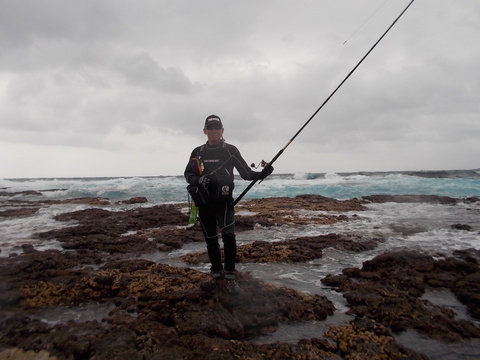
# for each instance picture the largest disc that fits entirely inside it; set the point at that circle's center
(143, 70)
(81, 72)
(25, 22)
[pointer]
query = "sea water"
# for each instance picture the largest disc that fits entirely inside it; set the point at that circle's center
(420, 226)
(165, 189)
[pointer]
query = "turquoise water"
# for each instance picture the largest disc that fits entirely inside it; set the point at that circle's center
(460, 183)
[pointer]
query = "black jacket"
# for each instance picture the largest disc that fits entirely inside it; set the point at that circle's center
(218, 159)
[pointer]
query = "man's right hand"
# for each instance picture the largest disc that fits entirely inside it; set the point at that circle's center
(204, 181)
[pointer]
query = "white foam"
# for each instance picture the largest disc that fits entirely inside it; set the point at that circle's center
(301, 176)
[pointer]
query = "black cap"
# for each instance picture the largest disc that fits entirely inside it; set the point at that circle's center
(213, 120)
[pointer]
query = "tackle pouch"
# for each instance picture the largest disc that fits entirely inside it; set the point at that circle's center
(221, 188)
(199, 194)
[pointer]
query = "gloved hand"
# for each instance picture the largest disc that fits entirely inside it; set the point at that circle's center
(204, 181)
(267, 170)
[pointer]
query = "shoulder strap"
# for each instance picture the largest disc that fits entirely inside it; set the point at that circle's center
(200, 152)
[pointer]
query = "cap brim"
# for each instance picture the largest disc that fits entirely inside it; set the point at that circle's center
(213, 124)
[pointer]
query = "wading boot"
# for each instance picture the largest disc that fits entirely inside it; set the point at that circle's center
(230, 284)
(218, 279)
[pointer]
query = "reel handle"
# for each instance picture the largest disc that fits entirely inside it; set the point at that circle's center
(262, 163)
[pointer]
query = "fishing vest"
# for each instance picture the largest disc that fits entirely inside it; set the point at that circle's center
(220, 172)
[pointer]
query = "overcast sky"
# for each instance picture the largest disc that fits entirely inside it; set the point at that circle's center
(122, 87)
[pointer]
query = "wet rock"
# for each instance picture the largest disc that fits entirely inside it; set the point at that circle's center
(470, 255)
(93, 201)
(466, 285)
(36, 264)
(408, 229)
(170, 238)
(188, 298)
(28, 248)
(160, 311)
(19, 354)
(24, 193)
(435, 199)
(134, 200)
(367, 339)
(464, 227)
(29, 268)
(303, 209)
(25, 211)
(301, 249)
(389, 287)
(120, 232)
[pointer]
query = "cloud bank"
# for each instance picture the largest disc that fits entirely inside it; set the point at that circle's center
(121, 88)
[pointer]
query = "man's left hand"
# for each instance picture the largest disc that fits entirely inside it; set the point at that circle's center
(267, 170)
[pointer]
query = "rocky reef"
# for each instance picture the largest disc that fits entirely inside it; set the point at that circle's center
(148, 310)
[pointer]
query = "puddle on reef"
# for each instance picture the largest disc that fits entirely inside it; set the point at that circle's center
(447, 299)
(293, 333)
(62, 314)
(439, 350)
(467, 349)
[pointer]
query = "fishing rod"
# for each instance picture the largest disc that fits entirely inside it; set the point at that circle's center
(254, 181)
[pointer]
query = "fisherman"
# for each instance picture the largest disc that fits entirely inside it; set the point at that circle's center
(210, 175)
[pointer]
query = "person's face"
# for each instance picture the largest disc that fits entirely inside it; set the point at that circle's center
(214, 134)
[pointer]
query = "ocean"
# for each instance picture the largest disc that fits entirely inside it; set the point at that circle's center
(421, 226)
(171, 189)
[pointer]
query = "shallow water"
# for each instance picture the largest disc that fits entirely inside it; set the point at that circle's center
(436, 350)
(62, 314)
(18, 231)
(447, 299)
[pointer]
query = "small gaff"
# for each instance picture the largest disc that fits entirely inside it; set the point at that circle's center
(197, 169)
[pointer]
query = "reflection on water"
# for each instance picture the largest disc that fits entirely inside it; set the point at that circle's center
(83, 313)
(436, 350)
(446, 298)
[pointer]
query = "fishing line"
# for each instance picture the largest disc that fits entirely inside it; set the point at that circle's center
(363, 24)
(332, 54)
(254, 181)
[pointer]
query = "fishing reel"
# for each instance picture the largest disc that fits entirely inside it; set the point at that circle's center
(262, 164)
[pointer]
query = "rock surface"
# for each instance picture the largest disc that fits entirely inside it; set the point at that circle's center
(389, 288)
(157, 311)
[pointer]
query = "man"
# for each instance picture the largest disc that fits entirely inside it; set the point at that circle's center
(210, 170)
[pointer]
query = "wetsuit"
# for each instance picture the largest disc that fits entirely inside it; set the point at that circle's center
(218, 161)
